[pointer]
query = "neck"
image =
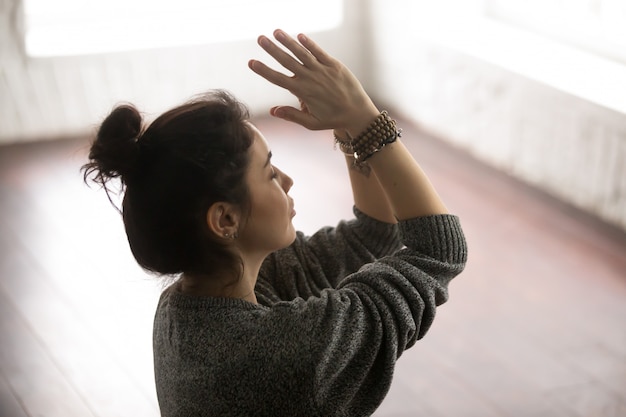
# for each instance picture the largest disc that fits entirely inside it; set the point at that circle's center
(221, 284)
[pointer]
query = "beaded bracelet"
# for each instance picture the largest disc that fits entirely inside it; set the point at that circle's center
(380, 133)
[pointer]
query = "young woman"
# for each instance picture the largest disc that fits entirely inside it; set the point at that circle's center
(262, 320)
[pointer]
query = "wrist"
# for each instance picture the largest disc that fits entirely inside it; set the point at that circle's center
(380, 133)
(362, 121)
(343, 142)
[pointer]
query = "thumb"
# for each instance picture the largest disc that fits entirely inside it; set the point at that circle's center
(294, 115)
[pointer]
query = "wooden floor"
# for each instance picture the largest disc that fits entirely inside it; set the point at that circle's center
(535, 326)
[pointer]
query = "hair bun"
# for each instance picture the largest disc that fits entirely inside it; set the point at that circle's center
(114, 152)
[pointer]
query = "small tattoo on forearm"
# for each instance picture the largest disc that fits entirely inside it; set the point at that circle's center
(362, 168)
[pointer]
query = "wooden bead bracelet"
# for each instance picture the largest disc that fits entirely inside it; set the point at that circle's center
(380, 133)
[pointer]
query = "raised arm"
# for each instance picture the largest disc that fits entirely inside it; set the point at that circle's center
(369, 196)
(332, 98)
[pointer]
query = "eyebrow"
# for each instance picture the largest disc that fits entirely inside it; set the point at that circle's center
(269, 156)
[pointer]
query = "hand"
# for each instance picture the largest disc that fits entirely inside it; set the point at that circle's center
(330, 96)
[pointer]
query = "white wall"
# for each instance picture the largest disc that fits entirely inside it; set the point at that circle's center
(568, 145)
(43, 98)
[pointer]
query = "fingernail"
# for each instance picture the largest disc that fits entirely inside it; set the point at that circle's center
(263, 41)
(279, 34)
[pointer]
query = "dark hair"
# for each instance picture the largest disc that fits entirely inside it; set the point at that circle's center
(189, 158)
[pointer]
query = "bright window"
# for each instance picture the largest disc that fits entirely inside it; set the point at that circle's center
(78, 27)
(575, 46)
(598, 26)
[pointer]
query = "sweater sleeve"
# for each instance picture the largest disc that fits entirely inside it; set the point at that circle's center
(355, 334)
(311, 264)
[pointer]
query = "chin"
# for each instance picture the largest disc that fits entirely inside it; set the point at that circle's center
(292, 237)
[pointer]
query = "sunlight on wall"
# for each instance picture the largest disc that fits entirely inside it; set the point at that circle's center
(79, 27)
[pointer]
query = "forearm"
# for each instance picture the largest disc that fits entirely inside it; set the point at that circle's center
(409, 193)
(369, 197)
(408, 189)
(368, 194)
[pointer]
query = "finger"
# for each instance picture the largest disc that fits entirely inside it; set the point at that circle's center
(321, 55)
(294, 115)
(270, 75)
(282, 57)
(296, 48)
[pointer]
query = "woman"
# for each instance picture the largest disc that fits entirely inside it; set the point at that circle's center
(261, 320)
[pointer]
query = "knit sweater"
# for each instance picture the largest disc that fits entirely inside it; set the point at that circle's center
(336, 310)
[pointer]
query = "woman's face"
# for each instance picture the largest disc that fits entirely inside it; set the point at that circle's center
(268, 226)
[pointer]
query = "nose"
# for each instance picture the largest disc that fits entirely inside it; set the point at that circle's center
(287, 181)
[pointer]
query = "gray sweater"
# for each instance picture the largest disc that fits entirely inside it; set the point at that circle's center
(335, 312)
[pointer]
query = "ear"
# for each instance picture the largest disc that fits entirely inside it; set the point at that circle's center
(223, 219)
